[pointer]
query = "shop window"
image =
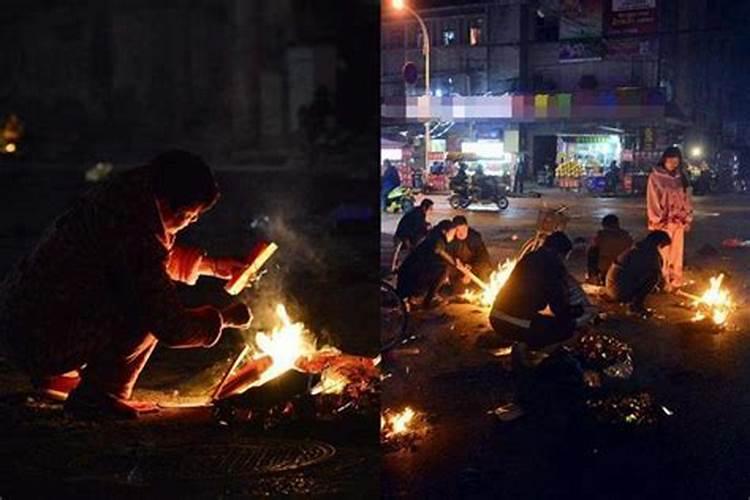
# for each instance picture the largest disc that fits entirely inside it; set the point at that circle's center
(449, 37)
(475, 32)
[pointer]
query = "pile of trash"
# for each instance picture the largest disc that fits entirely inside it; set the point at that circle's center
(606, 354)
(573, 379)
(632, 410)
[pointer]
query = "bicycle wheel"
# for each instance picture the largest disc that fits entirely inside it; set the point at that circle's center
(394, 317)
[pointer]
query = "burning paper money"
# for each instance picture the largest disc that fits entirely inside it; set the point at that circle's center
(289, 346)
(715, 303)
(277, 353)
(403, 428)
(498, 278)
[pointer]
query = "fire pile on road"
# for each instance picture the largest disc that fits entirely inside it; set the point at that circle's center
(715, 303)
(402, 429)
(285, 367)
(498, 278)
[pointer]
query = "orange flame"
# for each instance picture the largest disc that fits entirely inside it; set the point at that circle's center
(715, 302)
(498, 278)
(407, 422)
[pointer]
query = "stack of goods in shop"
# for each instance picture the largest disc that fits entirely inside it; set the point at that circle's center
(568, 174)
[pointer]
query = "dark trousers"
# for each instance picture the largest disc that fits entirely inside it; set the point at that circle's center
(544, 330)
(592, 264)
(422, 280)
(635, 294)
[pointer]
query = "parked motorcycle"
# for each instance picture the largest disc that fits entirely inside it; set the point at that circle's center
(400, 199)
(489, 190)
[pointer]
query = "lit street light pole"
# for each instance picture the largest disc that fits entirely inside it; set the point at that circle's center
(401, 5)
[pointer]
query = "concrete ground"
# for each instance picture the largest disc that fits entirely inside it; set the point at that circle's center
(700, 451)
(324, 274)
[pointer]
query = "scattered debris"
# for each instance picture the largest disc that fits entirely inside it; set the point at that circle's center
(735, 243)
(636, 410)
(606, 354)
(507, 412)
(502, 351)
(99, 172)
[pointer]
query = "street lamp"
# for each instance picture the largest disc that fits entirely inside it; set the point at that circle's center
(401, 5)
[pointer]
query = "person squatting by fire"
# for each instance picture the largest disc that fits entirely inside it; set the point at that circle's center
(538, 281)
(82, 313)
(468, 248)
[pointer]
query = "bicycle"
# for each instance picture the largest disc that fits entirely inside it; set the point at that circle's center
(548, 221)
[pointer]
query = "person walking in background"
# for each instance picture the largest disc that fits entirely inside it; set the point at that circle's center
(388, 182)
(669, 209)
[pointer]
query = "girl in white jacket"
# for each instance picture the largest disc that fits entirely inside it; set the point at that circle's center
(669, 209)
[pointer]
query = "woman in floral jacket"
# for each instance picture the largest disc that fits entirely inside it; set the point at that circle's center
(669, 209)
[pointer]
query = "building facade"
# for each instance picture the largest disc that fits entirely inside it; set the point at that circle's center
(648, 71)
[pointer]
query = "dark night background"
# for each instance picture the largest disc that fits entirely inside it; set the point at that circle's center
(281, 98)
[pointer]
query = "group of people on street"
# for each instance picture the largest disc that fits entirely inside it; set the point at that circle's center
(535, 307)
(441, 255)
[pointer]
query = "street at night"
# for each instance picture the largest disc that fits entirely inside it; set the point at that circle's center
(700, 377)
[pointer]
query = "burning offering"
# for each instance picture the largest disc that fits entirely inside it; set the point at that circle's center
(277, 352)
(402, 429)
(498, 278)
(715, 303)
(287, 371)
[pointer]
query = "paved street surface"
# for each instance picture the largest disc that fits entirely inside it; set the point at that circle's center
(319, 272)
(703, 379)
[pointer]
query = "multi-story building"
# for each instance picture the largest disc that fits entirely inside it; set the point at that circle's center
(647, 73)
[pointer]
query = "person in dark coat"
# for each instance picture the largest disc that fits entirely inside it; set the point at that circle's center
(469, 249)
(389, 182)
(413, 226)
(538, 280)
(608, 243)
(635, 273)
(84, 311)
(426, 268)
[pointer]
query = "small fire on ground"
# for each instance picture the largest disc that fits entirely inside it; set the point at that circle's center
(402, 428)
(715, 303)
(291, 346)
(498, 278)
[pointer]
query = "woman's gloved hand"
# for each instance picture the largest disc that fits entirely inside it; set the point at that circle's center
(238, 315)
(223, 267)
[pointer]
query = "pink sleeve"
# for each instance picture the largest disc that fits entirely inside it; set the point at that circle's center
(654, 210)
(184, 263)
(688, 208)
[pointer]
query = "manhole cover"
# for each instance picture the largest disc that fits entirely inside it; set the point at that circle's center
(238, 460)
